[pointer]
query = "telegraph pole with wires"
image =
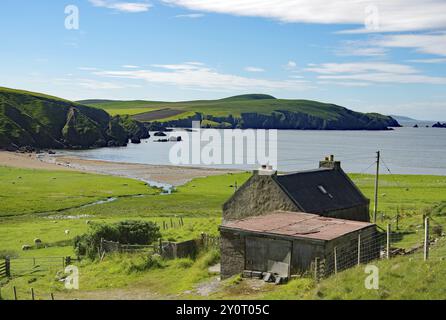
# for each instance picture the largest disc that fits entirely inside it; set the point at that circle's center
(375, 209)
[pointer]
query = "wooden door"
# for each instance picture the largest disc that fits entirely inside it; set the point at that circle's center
(268, 255)
(255, 259)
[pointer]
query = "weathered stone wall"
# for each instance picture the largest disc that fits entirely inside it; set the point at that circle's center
(259, 195)
(232, 254)
(175, 250)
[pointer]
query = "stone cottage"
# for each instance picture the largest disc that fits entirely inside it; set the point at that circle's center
(279, 223)
(326, 191)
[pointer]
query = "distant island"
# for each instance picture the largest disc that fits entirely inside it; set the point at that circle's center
(35, 120)
(251, 111)
(439, 125)
(415, 123)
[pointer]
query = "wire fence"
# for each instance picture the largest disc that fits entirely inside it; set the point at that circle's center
(25, 294)
(4, 269)
(415, 242)
(167, 249)
(24, 266)
(112, 246)
(357, 251)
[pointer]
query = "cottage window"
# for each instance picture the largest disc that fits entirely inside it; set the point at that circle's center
(322, 189)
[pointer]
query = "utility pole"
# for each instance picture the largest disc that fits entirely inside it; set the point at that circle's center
(375, 209)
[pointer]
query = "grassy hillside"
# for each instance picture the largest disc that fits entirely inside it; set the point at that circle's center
(250, 111)
(41, 121)
(25, 193)
(122, 107)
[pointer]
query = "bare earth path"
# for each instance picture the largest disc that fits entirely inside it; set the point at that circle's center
(114, 294)
(171, 175)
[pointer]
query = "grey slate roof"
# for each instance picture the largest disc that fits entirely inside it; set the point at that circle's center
(321, 190)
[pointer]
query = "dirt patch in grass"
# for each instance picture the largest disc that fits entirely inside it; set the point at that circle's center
(157, 114)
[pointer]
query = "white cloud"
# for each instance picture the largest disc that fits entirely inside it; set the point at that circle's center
(374, 72)
(131, 7)
(197, 76)
(434, 60)
(388, 78)
(130, 66)
(346, 83)
(431, 43)
(360, 67)
(291, 65)
(190, 15)
(254, 69)
(91, 83)
(360, 48)
(393, 15)
(98, 85)
(87, 69)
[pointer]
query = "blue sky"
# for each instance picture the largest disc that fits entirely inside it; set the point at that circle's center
(385, 56)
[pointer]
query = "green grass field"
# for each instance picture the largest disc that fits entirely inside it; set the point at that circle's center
(122, 107)
(225, 107)
(30, 200)
(24, 191)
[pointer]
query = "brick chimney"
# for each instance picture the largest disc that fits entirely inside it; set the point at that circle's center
(265, 170)
(329, 162)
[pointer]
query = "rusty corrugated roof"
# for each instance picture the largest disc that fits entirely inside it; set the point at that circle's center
(297, 224)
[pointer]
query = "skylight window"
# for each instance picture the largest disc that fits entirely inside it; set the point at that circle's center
(322, 189)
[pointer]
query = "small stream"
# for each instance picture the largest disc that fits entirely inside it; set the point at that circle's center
(165, 187)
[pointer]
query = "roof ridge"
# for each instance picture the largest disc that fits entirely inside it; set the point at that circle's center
(304, 171)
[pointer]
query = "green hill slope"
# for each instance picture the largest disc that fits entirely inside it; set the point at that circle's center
(41, 121)
(256, 111)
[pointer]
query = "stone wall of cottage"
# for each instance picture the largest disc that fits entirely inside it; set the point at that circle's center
(232, 248)
(259, 195)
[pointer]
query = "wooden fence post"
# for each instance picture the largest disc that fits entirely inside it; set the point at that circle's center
(8, 267)
(52, 296)
(359, 249)
(15, 292)
(316, 269)
(32, 294)
(388, 241)
(426, 238)
(203, 239)
(67, 261)
(335, 260)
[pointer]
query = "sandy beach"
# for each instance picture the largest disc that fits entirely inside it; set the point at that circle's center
(170, 175)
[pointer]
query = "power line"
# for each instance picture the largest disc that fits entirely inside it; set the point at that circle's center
(392, 174)
(363, 171)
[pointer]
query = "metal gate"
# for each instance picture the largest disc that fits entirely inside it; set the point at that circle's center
(268, 255)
